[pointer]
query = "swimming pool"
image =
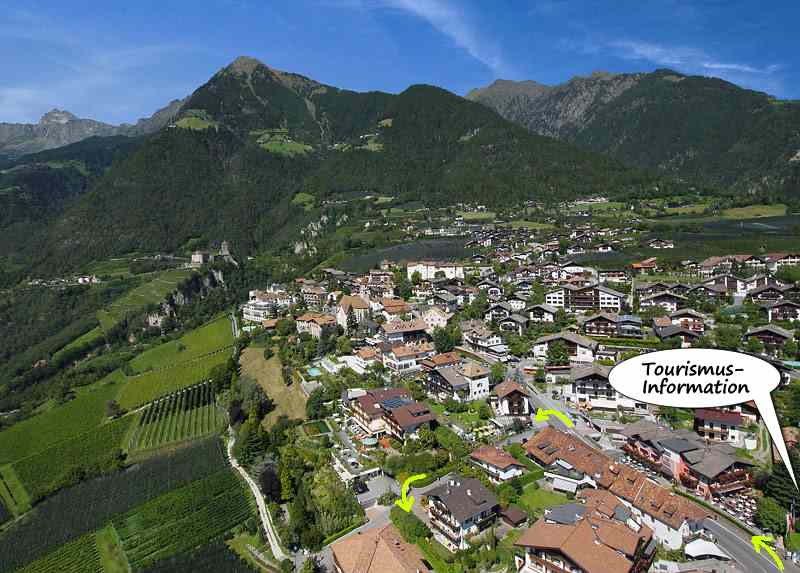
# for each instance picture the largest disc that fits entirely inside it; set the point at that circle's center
(313, 371)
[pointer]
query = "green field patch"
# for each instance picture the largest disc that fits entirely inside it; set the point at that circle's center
(316, 428)
(199, 342)
(182, 416)
(79, 415)
(280, 142)
(306, 200)
(533, 225)
(78, 556)
(755, 211)
(144, 388)
(197, 119)
(536, 500)
(95, 452)
(112, 556)
(90, 338)
(184, 518)
(476, 215)
(13, 494)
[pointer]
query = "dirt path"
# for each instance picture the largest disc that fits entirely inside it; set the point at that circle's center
(289, 400)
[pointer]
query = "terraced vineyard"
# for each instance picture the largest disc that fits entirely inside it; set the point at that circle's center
(79, 556)
(182, 519)
(140, 390)
(184, 415)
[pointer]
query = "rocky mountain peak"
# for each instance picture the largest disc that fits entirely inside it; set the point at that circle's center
(57, 117)
(245, 65)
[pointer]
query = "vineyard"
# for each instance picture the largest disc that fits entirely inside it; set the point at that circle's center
(182, 519)
(64, 516)
(147, 387)
(75, 417)
(184, 415)
(79, 556)
(95, 452)
(214, 557)
(195, 344)
(5, 515)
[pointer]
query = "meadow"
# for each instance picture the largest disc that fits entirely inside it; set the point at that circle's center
(289, 400)
(183, 518)
(185, 415)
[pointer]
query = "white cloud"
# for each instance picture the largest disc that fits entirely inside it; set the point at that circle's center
(450, 20)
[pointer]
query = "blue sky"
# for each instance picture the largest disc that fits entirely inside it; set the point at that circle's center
(118, 61)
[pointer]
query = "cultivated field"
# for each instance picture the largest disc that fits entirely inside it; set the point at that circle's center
(79, 556)
(289, 400)
(185, 415)
(182, 519)
(80, 415)
(208, 338)
(144, 388)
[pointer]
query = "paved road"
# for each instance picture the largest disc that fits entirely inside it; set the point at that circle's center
(266, 518)
(736, 543)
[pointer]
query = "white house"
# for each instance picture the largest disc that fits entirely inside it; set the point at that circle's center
(580, 348)
(498, 464)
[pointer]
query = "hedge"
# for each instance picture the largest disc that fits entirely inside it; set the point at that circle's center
(334, 536)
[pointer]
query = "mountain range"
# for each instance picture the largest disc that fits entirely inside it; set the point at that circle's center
(231, 160)
(699, 128)
(57, 128)
(249, 140)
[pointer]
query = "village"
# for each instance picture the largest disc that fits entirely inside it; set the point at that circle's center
(460, 358)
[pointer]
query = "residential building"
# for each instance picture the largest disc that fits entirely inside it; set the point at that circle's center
(580, 348)
(368, 411)
(670, 302)
(429, 270)
(394, 308)
(719, 425)
(405, 331)
(313, 295)
(463, 382)
(315, 324)
(478, 337)
(459, 509)
(585, 298)
(512, 399)
(405, 358)
(378, 550)
(351, 310)
(404, 420)
(590, 389)
(772, 337)
(390, 411)
(600, 324)
(260, 307)
(435, 317)
(590, 545)
(498, 464)
(646, 266)
(782, 310)
(689, 319)
(541, 313)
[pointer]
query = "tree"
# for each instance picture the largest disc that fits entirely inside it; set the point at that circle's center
(446, 339)
(557, 353)
(285, 327)
(754, 345)
(312, 565)
(780, 487)
(410, 526)
(315, 406)
(343, 345)
(113, 409)
(416, 278)
(497, 373)
(727, 337)
(770, 516)
(352, 320)
(790, 350)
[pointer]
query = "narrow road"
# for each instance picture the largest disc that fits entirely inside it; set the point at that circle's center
(736, 543)
(266, 518)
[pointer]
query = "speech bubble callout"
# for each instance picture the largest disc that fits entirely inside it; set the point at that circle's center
(703, 378)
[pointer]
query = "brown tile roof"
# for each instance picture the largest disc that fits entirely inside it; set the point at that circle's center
(720, 416)
(495, 456)
(367, 353)
(581, 544)
(411, 416)
(507, 387)
(404, 326)
(378, 550)
(666, 506)
(446, 358)
(356, 302)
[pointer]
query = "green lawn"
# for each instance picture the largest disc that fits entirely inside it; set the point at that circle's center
(151, 292)
(476, 215)
(533, 225)
(535, 500)
(754, 211)
(196, 123)
(12, 492)
(212, 336)
(112, 556)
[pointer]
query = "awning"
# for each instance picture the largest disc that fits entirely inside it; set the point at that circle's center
(702, 548)
(564, 485)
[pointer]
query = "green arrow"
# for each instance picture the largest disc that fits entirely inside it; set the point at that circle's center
(764, 542)
(544, 415)
(408, 500)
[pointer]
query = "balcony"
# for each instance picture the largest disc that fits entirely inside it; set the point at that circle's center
(455, 538)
